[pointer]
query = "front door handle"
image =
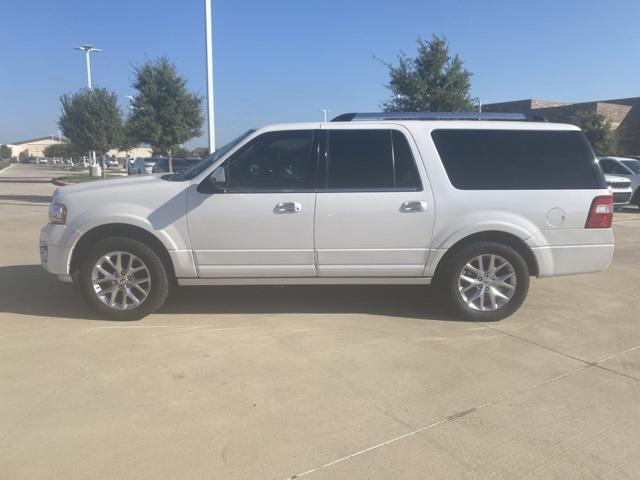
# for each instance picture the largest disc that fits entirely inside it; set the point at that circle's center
(287, 207)
(414, 206)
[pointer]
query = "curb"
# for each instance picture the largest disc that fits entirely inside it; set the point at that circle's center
(58, 182)
(7, 167)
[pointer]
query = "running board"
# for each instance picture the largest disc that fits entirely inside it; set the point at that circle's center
(307, 281)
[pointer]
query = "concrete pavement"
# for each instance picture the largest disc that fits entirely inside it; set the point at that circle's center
(314, 382)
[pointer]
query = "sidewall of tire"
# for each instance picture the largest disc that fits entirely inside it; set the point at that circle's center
(159, 280)
(448, 282)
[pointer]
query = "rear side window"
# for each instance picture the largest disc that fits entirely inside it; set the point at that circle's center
(370, 160)
(517, 159)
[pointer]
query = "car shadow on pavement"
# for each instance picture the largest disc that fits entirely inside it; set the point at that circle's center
(29, 290)
(406, 301)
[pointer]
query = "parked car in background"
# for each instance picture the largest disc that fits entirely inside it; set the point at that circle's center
(113, 163)
(141, 166)
(179, 164)
(135, 166)
(43, 161)
(620, 189)
(474, 203)
(627, 168)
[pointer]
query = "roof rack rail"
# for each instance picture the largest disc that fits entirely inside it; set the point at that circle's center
(496, 116)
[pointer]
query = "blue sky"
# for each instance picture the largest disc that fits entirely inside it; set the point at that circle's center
(282, 60)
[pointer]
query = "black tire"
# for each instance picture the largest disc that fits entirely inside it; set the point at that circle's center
(447, 281)
(158, 288)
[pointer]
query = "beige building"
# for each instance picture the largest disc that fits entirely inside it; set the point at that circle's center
(137, 152)
(35, 148)
(32, 148)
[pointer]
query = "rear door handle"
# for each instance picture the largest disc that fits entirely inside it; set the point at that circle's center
(413, 206)
(287, 207)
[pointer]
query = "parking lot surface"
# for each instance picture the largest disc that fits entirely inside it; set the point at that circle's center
(314, 382)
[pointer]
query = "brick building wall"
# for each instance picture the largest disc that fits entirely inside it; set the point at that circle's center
(623, 113)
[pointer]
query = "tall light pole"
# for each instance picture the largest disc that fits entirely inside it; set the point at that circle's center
(87, 49)
(325, 111)
(211, 127)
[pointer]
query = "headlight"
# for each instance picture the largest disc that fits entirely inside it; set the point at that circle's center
(57, 214)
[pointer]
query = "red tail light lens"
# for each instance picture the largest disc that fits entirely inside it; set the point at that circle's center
(601, 212)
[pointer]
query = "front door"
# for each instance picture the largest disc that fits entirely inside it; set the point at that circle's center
(374, 213)
(261, 223)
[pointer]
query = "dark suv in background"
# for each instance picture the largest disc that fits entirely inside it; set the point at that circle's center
(179, 164)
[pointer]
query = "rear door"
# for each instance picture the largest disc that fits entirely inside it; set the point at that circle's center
(374, 208)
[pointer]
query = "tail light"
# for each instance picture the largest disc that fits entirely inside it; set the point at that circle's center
(600, 213)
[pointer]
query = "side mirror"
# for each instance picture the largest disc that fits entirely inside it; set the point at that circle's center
(219, 178)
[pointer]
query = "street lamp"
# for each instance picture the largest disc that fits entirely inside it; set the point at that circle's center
(325, 111)
(209, 50)
(87, 49)
(131, 99)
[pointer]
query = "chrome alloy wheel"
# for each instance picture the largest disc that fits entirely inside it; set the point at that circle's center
(487, 282)
(121, 280)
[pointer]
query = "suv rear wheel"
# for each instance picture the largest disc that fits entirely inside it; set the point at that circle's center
(123, 279)
(485, 281)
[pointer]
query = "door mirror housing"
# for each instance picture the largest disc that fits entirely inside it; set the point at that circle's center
(219, 178)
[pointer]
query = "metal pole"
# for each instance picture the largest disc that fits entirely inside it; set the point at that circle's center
(209, 48)
(88, 55)
(325, 111)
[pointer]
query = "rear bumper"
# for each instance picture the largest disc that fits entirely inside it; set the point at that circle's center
(571, 260)
(570, 251)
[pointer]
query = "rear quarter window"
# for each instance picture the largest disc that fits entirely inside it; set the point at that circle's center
(517, 159)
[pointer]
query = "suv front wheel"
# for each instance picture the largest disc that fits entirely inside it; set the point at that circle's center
(123, 279)
(485, 281)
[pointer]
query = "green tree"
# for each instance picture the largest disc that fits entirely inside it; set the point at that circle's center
(165, 113)
(177, 151)
(60, 150)
(200, 152)
(432, 81)
(127, 139)
(5, 151)
(91, 120)
(597, 128)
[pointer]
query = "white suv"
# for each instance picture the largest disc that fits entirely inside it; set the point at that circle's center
(476, 204)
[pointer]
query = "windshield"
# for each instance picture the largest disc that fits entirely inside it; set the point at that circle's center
(206, 162)
(633, 165)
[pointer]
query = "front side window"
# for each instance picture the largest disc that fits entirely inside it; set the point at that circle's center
(209, 160)
(276, 161)
(517, 159)
(370, 160)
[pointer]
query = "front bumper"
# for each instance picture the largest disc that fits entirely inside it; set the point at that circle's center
(56, 244)
(622, 197)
